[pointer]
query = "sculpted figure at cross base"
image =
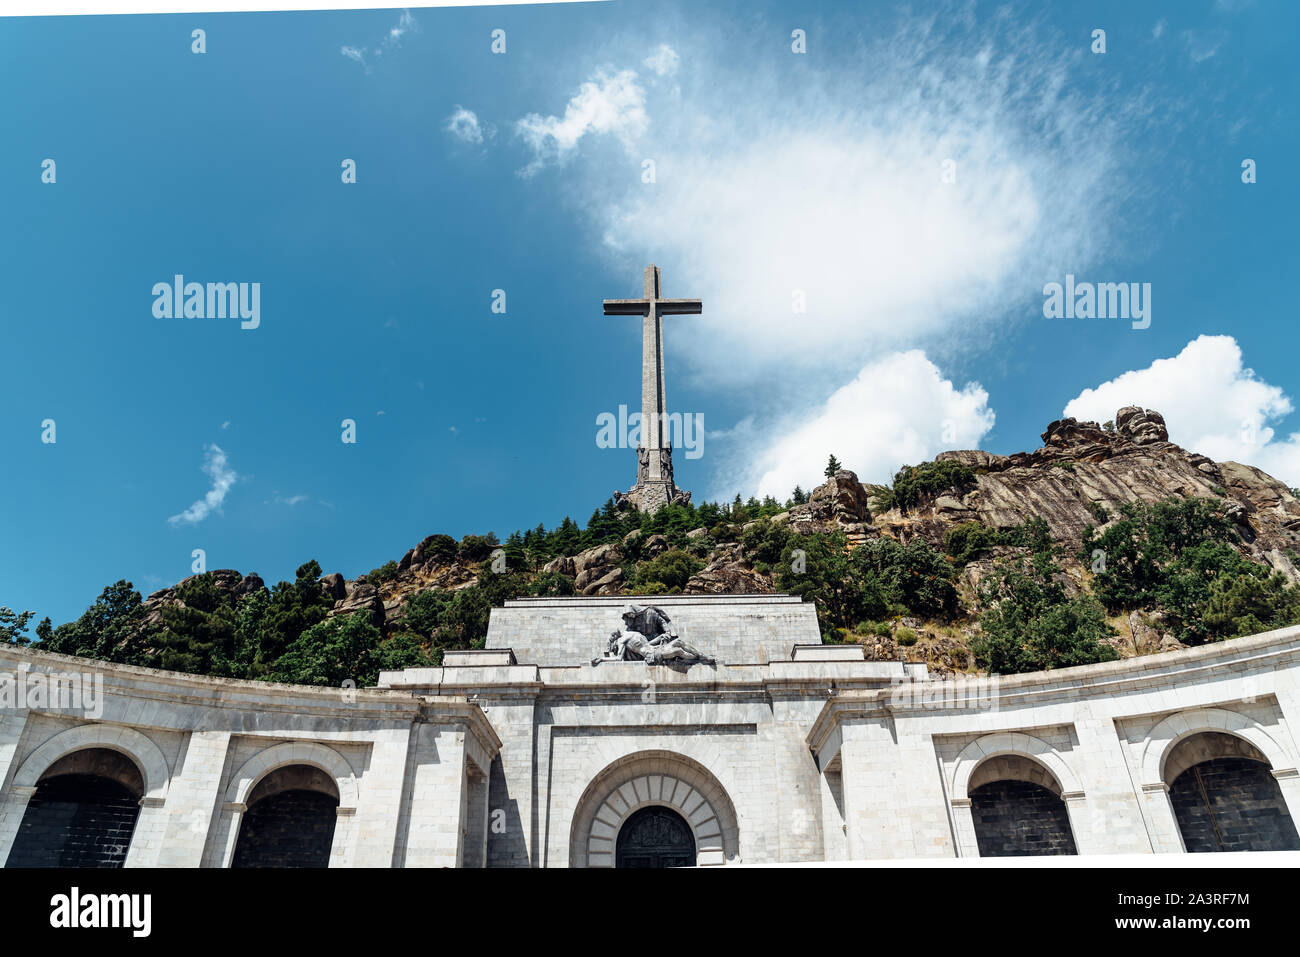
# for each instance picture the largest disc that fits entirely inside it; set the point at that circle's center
(633, 646)
(649, 620)
(647, 635)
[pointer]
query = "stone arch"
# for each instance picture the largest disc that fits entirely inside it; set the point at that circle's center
(290, 819)
(146, 756)
(1033, 754)
(645, 779)
(1170, 732)
(295, 752)
(81, 813)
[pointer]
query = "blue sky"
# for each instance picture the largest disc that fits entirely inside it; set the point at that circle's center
(776, 175)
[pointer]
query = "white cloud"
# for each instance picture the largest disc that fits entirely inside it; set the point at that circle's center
(464, 125)
(663, 62)
(1211, 402)
(405, 23)
(898, 410)
(289, 500)
(393, 38)
(609, 103)
(833, 187)
(1202, 45)
(217, 468)
(1158, 30)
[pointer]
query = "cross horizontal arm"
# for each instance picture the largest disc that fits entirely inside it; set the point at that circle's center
(664, 307)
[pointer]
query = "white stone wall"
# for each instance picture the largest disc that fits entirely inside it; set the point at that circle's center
(818, 758)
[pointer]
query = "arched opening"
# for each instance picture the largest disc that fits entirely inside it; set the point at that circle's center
(1017, 810)
(654, 837)
(290, 820)
(82, 814)
(1225, 797)
(644, 780)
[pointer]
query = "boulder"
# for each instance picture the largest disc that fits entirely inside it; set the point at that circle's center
(361, 596)
(841, 499)
(727, 577)
(253, 582)
(1141, 426)
(560, 566)
(607, 584)
(602, 556)
(334, 586)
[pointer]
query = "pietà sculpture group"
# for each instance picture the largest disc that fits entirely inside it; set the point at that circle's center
(647, 635)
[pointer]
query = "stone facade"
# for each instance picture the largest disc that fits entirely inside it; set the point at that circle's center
(535, 751)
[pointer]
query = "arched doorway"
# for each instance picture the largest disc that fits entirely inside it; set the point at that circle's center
(654, 837)
(645, 780)
(290, 820)
(1017, 809)
(83, 813)
(1020, 819)
(1225, 797)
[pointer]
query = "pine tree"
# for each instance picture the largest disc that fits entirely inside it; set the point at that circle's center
(832, 467)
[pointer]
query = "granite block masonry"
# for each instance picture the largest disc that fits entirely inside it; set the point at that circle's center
(539, 751)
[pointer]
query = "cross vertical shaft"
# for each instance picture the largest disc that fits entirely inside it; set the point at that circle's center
(654, 455)
(653, 401)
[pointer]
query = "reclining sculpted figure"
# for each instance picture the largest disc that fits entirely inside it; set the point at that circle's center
(632, 645)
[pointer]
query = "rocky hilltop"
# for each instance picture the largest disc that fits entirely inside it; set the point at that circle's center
(1082, 465)
(1079, 479)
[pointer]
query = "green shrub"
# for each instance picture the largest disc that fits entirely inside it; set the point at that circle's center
(668, 572)
(914, 483)
(1031, 625)
(384, 573)
(1182, 556)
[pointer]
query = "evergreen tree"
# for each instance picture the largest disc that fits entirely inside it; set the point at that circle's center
(516, 557)
(199, 628)
(567, 538)
(13, 626)
(331, 652)
(110, 629)
(293, 608)
(832, 467)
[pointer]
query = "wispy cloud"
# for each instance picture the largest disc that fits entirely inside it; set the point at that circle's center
(217, 468)
(663, 62)
(292, 501)
(608, 103)
(1202, 44)
(464, 125)
(392, 39)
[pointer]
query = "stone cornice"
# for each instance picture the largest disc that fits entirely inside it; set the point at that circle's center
(460, 711)
(1264, 652)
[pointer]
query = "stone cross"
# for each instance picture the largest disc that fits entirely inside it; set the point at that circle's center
(653, 421)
